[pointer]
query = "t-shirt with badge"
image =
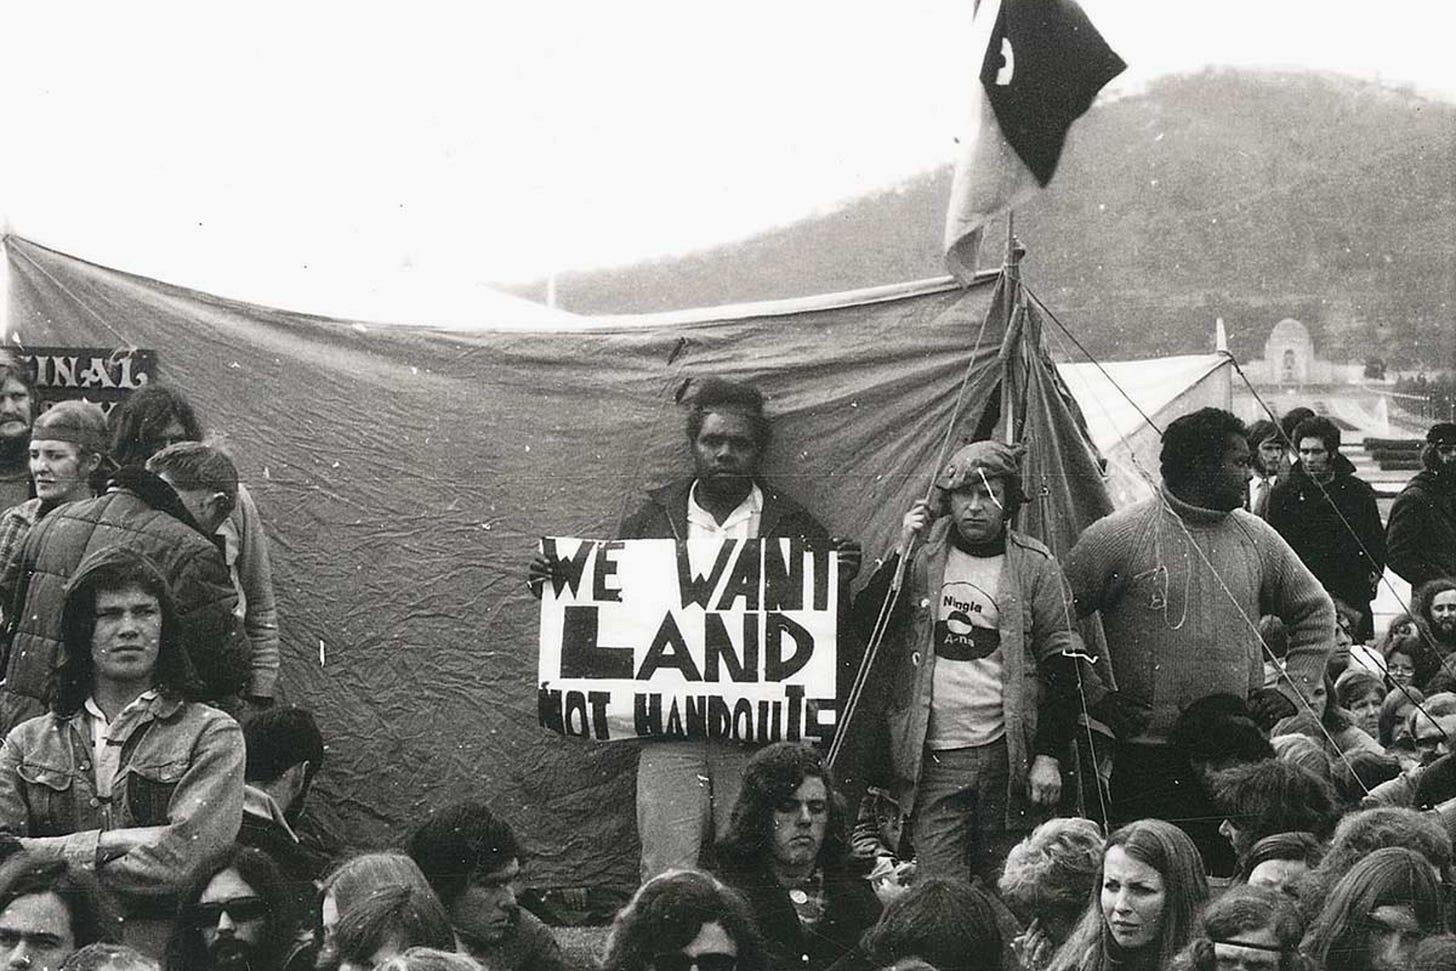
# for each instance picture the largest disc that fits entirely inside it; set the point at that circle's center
(966, 706)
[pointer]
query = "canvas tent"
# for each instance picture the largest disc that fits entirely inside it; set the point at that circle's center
(406, 472)
(1121, 398)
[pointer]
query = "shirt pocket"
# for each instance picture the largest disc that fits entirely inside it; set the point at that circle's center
(149, 791)
(50, 793)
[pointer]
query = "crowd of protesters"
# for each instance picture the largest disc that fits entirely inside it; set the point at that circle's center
(1244, 776)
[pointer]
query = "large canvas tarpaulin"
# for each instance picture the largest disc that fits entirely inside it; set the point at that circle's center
(405, 475)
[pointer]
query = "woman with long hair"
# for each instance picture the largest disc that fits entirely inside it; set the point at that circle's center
(1144, 904)
(1377, 913)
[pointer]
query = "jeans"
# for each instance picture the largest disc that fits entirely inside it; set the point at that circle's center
(685, 794)
(958, 826)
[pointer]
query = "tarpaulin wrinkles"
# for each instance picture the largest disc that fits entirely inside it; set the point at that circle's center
(409, 472)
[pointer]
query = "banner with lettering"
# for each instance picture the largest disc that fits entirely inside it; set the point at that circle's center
(101, 375)
(728, 639)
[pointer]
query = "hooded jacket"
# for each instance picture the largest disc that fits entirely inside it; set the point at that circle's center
(141, 511)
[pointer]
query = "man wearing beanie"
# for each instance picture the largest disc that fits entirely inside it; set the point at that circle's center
(1420, 538)
(1181, 581)
(67, 447)
(976, 670)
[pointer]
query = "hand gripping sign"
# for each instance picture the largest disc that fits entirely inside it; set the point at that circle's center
(652, 638)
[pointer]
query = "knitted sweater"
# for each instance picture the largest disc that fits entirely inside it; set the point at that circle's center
(1181, 590)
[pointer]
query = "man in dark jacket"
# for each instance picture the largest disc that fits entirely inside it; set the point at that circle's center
(169, 513)
(1329, 518)
(686, 788)
(787, 853)
(285, 751)
(1420, 539)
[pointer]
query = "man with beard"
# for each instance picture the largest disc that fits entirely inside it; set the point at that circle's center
(686, 787)
(1435, 606)
(1181, 581)
(1421, 535)
(1328, 516)
(787, 853)
(979, 676)
(17, 412)
(236, 916)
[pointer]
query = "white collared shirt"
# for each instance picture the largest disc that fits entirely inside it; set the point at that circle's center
(106, 754)
(741, 523)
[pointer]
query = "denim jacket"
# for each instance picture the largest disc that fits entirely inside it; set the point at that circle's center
(179, 784)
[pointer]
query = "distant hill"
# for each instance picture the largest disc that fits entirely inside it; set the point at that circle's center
(1235, 194)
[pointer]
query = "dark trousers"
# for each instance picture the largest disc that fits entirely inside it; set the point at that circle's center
(1156, 782)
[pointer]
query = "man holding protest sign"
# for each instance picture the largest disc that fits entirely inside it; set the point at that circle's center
(686, 788)
(979, 657)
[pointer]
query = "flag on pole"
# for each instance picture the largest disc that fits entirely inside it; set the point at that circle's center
(1042, 64)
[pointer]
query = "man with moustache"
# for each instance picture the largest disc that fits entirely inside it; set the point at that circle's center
(17, 411)
(1435, 604)
(1180, 581)
(979, 670)
(237, 916)
(1420, 538)
(687, 787)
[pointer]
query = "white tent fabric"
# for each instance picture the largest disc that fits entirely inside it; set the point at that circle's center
(1112, 395)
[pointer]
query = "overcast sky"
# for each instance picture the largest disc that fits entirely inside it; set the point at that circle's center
(261, 150)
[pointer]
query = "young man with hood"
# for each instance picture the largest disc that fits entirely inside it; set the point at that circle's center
(1329, 517)
(981, 663)
(170, 512)
(1420, 538)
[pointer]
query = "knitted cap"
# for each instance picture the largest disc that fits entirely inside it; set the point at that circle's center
(994, 460)
(1442, 433)
(78, 422)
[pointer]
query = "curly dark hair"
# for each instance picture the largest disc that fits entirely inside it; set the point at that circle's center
(1427, 592)
(1239, 910)
(186, 949)
(138, 422)
(668, 911)
(1194, 444)
(707, 395)
(1319, 427)
(92, 916)
(772, 776)
(460, 841)
(116, 568)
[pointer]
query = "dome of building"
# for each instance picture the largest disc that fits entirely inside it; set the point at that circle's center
(1289, 331)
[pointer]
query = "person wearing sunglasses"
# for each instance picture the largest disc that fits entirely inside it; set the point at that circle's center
(684, 920)
(236, 915)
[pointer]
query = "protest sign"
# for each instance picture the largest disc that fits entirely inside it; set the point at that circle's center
(728, 639)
